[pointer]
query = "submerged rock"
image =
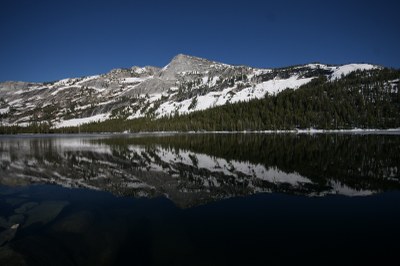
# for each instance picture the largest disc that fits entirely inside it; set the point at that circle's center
(16, 219)
(15, 201)
(44, 212)
(13, 219)
(26, 207)
(8, 234)
(78, 223)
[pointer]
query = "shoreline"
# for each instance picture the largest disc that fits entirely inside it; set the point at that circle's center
(311, 131)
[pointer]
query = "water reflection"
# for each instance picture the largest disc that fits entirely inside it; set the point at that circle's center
(194, 169)
(46, 224)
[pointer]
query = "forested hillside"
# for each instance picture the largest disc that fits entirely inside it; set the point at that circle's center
(362, 99)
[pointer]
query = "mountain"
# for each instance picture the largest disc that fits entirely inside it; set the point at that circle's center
(187, 84)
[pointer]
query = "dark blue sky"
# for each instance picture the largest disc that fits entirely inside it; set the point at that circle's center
(49, 40)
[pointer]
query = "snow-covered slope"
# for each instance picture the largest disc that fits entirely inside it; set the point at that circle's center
(340, 71)
(185, 85)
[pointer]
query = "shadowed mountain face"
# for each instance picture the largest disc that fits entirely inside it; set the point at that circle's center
(195, 169)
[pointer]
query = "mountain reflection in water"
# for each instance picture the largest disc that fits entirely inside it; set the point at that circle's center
(157, 199)
(194, 169)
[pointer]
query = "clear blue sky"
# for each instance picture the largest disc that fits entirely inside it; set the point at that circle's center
(50, 40)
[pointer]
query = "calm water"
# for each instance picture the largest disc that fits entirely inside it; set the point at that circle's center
(204, 199)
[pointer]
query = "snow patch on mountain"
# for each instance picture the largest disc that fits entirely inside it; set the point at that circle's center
(80, 121)
(134, 80)
(270, 87)
(232, 95)
(86, 79)
(4, 110)
(347, 69)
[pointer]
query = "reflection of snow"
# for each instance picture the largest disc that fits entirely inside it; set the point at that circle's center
(341, 189)
(220, 165)
(275, 175)
(86, 162)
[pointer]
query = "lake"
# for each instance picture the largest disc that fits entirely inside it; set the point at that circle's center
(200, 199)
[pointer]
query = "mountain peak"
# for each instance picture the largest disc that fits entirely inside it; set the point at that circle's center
(185, 63)
(188, 60)
(182, 57)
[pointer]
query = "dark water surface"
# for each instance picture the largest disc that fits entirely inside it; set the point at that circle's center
(200, 199)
